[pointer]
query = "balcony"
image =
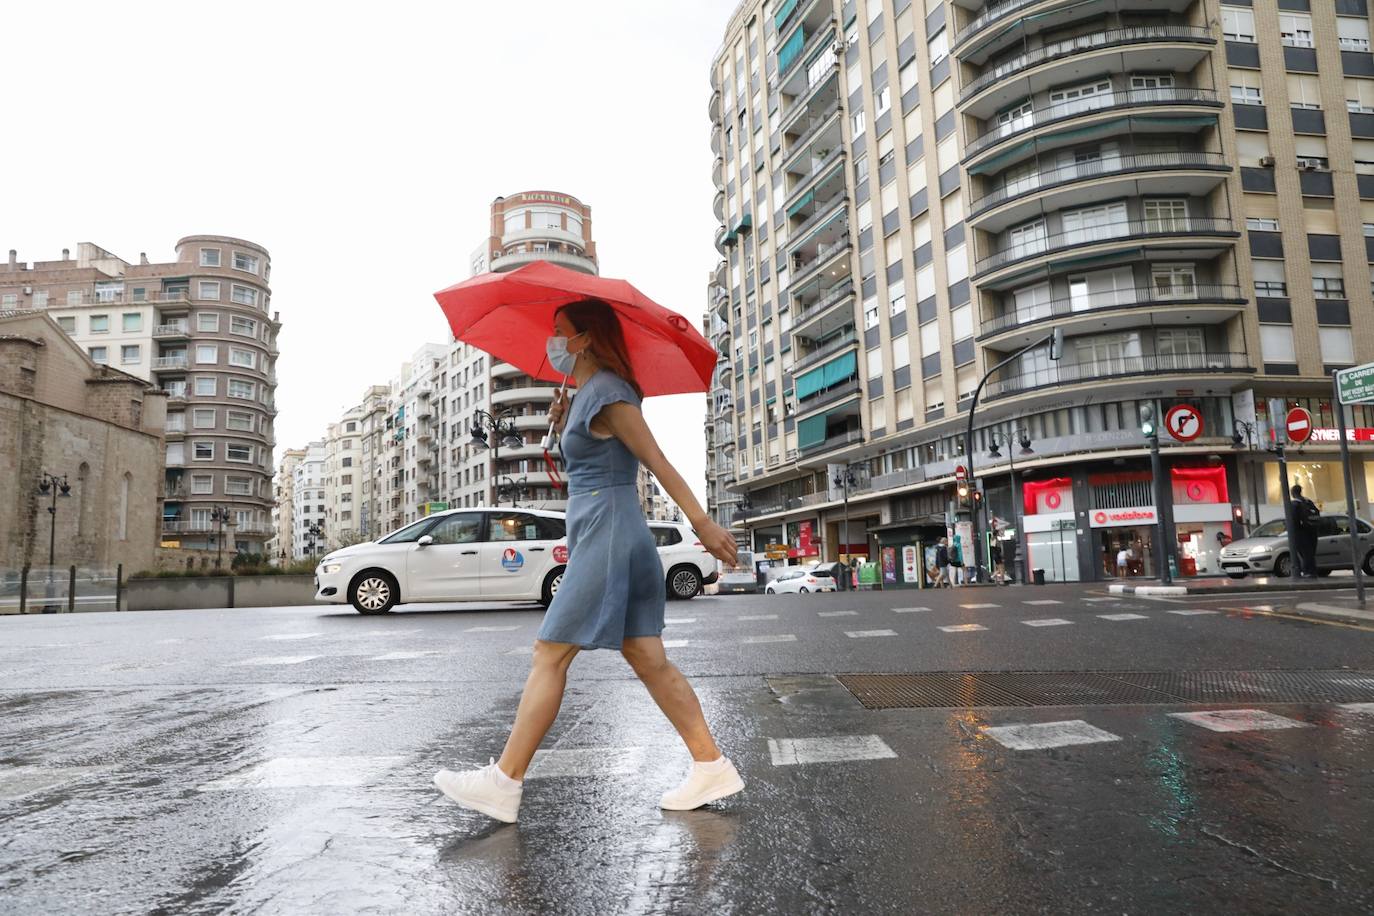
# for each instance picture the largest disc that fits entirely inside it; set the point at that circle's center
(1084, 309)
(830, 347)
(826, 253)
(820, 99)
(1032, 190)
(718, 173)
(1096, 371)
(177, 330)
(718, 206)
(818, 191)
(1104, 103)
(713, 107)
(790, 53)
(826, 121)
(829, 444)
(992, 14)
(166, 363)
(722, 234)
(521, 394)
(1111, 234)
(827, 301)
(848, 388)
(1087, 44)
(512, 260)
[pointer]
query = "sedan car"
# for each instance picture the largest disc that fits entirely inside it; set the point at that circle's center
(1265, 551)
(800, 581)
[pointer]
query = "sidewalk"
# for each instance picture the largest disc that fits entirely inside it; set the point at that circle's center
(1223, 585)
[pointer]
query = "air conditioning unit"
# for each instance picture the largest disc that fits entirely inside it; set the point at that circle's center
(1307, 166)
(838, 46)
(1266, 162)
(28, 290)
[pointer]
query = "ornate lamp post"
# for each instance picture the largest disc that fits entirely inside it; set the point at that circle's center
(221, 516)
(492, 431)
(1245, 436)
(53, 486)
(315, 534)
(512, 488)
(1000, 438)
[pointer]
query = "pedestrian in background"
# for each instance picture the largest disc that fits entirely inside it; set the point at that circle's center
(956, 560)
(1306, 522)
(942, 564)
(612, 594)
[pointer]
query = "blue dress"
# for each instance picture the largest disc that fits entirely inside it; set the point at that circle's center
(613, 587)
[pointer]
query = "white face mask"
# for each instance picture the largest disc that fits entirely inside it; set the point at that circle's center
(556, 349)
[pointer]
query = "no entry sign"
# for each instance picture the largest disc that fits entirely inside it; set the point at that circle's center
(1184, 422)
(1298, 424)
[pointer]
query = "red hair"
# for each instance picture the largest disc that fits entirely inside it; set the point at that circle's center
(605, 337)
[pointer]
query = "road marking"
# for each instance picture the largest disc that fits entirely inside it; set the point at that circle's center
(838, 613)
(286, 636)
(521, 650)
(1101, 599)
(1043, 601)
(758, 617)
(16, 782)
(672, 620)
(403, 656)
(674, 643)
(1364, 709)
(976, 607)
(490, 629)
(1048, 622)
(1353, 681)
(781, 637)
(910, 610)
(868, 634)
(1124, 616)
(841, 749)
(1043, 735)
(963, 628)
(275, 660)
(1237, 720)
(1190, 613)
(586, 761)
(305, 772)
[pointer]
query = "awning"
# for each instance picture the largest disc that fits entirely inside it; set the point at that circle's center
(811, 431)
(833, 372)
(805, 199)
(783, 12)
(787, 54)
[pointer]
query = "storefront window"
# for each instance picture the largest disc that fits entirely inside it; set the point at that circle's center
(1321, 481)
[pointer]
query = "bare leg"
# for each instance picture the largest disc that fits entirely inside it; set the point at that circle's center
(673, 694)
(538, 705)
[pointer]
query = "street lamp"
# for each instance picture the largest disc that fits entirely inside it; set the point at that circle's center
(1245, 435)
(844, 479)
(315, 533)
(54, 486)
(221, 516)
(511, 488)
(1000, 438)
(491, 431)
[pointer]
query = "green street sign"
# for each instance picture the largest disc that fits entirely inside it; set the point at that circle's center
(1356, 386)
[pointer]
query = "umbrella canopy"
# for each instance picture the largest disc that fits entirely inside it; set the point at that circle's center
(510, 315)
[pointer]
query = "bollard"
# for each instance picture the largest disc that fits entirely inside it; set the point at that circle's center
(71, 589)
(119, 585)
(24, 590)
(231, 591)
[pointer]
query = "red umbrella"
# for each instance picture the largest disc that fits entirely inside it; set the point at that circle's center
(510, 315)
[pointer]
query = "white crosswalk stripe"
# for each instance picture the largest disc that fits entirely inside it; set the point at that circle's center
(838, 613)
(1043, 735)
(678, 620)
(963, 628)
(757, 617)
(777, 637)
(1365, 709)
(1237, 720)
(281, 637)
(1048, 622)
(978, 607)
(675, 643)
(910, 610)
(840, 749)
(276, 660)
(305, 772)
(1124, 616)
(1043, 601)
(1190, 613)
(868, 634)
(490, 629)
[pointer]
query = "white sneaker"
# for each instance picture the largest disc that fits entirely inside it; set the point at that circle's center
(702, 787)
(487, 790)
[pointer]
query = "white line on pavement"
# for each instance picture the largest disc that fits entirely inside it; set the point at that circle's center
(1043, 601)
(1102, 599)
(840, 749)
(975, 607)
(757, 617)
(674, 643)
(1124, 616)
(868, 634)
(1365, 709)
(780, 637)
(18, 781)
(521, 650)
(275, 660)
(1048, 622)
(403, 656)
(490, 629)
(838, 613)
(1237, 720)
(909, 610)
(1043, 735)
(1190, 613)
(286, 636)
(672, 620)
(963, 628)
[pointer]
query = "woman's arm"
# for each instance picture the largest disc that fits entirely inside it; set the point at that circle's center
(625, 421)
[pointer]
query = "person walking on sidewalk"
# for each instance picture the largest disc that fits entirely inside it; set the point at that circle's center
(1306, 521)
(942, 564)
(612, 593)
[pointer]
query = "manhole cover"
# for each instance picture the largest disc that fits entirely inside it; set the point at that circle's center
(952, 689)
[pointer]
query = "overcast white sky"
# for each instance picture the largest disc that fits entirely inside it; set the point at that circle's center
(362, 144)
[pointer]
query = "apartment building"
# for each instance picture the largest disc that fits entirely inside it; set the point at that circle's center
(201, 328)
(913, 195)
(310, 535)
(281, 547)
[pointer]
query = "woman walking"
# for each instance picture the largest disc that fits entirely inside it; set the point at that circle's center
(612, 594)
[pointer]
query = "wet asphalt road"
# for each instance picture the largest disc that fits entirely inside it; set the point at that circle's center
(279, 761)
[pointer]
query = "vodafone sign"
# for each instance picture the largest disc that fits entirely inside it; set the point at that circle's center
(1116, 518)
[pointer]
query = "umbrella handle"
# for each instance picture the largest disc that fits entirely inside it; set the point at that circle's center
(550, 440)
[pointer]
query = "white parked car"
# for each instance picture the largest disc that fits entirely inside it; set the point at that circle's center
(481, 554)
(801, 580)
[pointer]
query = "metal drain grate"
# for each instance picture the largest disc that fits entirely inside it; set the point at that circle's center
(953, 689)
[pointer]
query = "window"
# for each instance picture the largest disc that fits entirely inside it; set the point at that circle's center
(9, 300)
(1261, 224)
(203, 418)
(245, 327)
(1359, 95)
(896, 297)
(858, 124)
(132, 322)
(239, 420)
(1328, 281)
(129, 354)
(67, 323)
(246, 359)
(1270, 280)
(1166, 215)
(73, 297)
(202, 484)
(939, 47)
(1338, 346)
(883, 101)
(100, 324)
(246, 262)
(207, 321)
(209, 257)
(207, 353)
(1321, 163)
(1179, 348)
(237, 451)
(1015, 118)
(1174, 281)
(521, 526)
(243, 295)
(205, 386)
(242, 389)
(1295, 29)
(463, 528)
(1276, 343)
(99, 355)
(1084, 97)
(203, 451)
(1238, 24)
(1246, 95)
(209, 289)
(1304, 91)
(1027, 239)
(238, 486)
(40, 299)
(1153, 81)
(1353, 33)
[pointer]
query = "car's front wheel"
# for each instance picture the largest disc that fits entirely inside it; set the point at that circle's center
(373, 591)
(803, 590)
(550, 587)
(770, 590)
(1369, 563)
(684, 582)
(1283, 566)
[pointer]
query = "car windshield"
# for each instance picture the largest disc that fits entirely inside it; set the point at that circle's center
(1274, 529)
(409, 533)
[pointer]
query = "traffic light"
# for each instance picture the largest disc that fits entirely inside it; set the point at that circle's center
(963, 491)
(1147, 421)
(977, 498)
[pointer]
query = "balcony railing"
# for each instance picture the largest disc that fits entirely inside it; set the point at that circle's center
(993, 12)
(827, 33)
(1092, 235)
(847, 339)
(1074, 373)
(1062, 111)
(1111, 38)
(817, 167)
(92, 297)
(837, 392)
(171, 362)
(840, 292)
(1127, 298)
(847, 437)
(824, 211)
(823, 254)
(175, 329)
(1098, 168)
(818, 122)
(803, 102)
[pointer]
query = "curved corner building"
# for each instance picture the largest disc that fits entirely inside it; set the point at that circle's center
(910, 195)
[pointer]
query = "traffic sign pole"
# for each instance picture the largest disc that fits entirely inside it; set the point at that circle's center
(1356, 560)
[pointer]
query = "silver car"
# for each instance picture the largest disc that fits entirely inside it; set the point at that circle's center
(1265, 551)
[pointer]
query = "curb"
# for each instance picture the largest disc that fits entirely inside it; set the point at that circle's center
(1176, 590)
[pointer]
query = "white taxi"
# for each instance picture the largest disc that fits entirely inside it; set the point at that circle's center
(481, 554)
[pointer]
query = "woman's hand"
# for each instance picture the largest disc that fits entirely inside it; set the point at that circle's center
(718, 542)
(558, 409)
